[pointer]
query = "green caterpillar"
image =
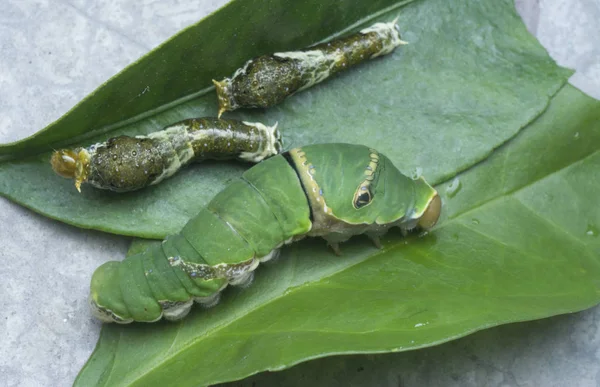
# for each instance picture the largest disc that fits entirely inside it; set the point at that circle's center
(129, 163)
(267, 80)
(333, 191)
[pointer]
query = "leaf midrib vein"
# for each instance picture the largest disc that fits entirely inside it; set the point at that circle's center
(518, 188)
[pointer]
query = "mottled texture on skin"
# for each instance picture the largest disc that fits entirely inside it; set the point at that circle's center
(276, 202)
(129, 163)
(267, 80)
(126, 163)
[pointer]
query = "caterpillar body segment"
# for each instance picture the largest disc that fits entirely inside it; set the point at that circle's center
(333, 191)
(129, 163)
(267, 80)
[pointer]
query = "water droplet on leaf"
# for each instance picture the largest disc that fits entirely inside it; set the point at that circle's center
(418, 172)
(454, 187)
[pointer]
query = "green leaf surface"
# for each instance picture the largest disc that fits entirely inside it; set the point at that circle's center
(470, 79)
(518, 241)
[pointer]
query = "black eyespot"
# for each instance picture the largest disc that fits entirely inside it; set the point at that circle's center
(362, 199)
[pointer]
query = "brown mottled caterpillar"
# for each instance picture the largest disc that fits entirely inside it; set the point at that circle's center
(267, 80)
(129, 163)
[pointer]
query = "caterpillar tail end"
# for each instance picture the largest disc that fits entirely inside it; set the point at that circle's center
(272, 146)
(105, 300)
(394, 25)
(277, 138)
(71, 164)
(388, 33)
(224, 96)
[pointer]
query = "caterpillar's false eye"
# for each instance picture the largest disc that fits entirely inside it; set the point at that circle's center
(64, 163)
(362, 199)
(431, 214)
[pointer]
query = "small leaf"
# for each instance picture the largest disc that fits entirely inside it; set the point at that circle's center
(470, 79)
(513, 246)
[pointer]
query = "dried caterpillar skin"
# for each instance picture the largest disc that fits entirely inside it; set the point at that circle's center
(269, 79)
(129, 163)
(333, 191)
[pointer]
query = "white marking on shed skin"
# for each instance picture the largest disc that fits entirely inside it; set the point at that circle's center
(314, 62)
(320, 64)
(388, 34)
(270, 147)
(177, 138)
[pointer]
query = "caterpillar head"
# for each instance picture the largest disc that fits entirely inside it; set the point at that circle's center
(431, 214)
(225, 96)
(71, 164)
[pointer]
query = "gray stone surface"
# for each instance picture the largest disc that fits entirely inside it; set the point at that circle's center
(54, 52)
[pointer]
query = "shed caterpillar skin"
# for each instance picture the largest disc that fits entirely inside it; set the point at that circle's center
(267, 80)
(129, 163)
(333, 191)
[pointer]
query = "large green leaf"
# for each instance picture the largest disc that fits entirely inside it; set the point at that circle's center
(470, 79)
(515, 354)
(518, 241)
